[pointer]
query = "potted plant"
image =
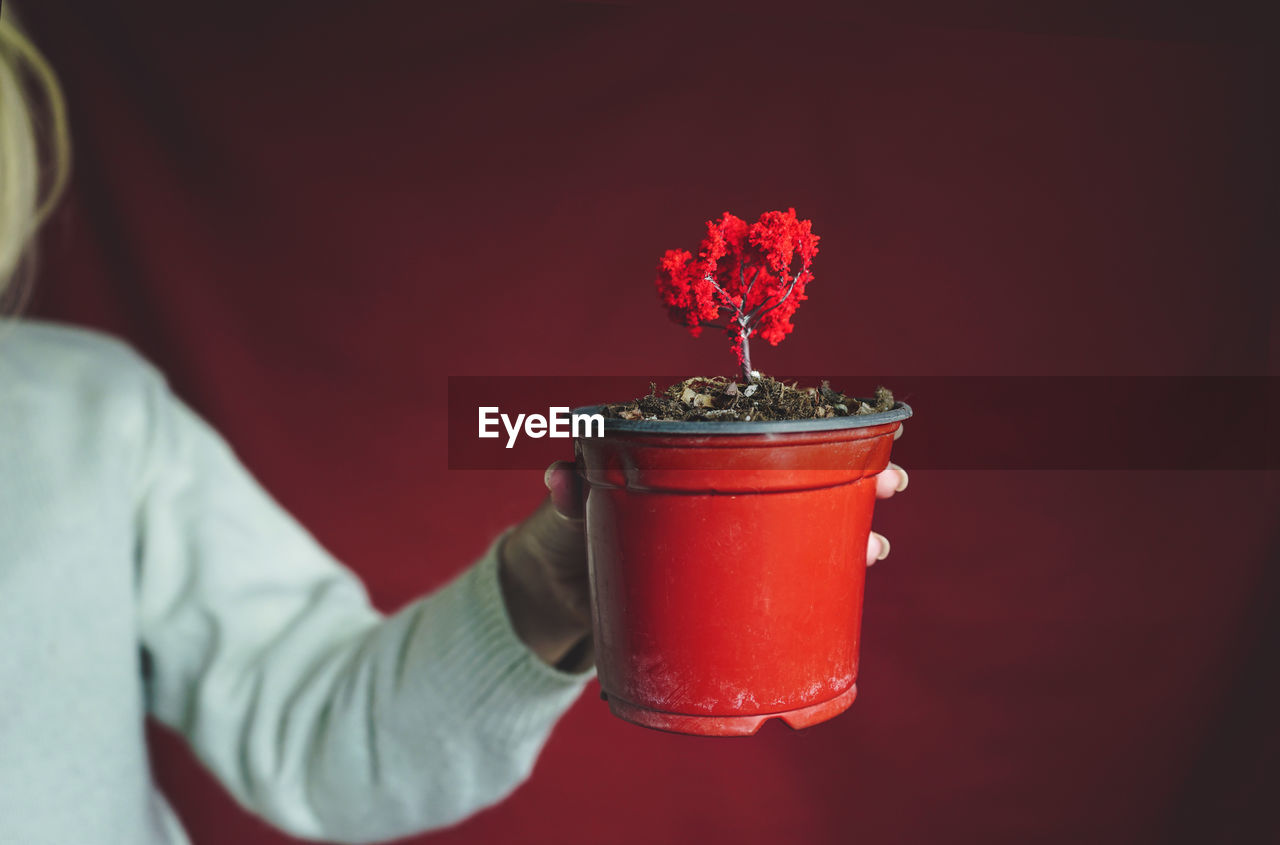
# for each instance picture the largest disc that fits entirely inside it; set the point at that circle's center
(727, 521)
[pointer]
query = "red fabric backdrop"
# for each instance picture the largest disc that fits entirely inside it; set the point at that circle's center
(310, 214)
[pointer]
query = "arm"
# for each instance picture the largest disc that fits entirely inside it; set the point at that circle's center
(315, 711)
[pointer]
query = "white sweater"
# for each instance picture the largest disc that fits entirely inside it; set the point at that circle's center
(143, 570)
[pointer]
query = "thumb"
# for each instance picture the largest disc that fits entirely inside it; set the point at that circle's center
(565, 488)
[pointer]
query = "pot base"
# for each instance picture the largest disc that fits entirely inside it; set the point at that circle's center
(682, 723)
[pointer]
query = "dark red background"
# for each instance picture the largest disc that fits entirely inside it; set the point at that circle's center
(311, 214)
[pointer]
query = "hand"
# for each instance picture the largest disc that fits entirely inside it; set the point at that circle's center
(543, 572)
(892, 480)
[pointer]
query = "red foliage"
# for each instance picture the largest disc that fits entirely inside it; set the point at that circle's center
(753, 276)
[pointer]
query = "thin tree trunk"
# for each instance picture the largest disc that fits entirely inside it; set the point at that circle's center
(747, 377)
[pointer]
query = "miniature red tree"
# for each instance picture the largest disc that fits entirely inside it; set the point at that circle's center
(751, 276)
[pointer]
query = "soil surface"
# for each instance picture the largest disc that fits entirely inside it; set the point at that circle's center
(721, 400)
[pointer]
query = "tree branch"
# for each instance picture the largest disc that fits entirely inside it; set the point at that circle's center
(728, 299)
(751, 284)
(755, 315)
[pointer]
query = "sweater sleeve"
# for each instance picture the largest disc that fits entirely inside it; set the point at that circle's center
(318, 713)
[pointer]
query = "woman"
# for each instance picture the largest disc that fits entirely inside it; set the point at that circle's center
(144, 571)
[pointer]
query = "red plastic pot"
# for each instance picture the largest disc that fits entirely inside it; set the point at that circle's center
(727, 564)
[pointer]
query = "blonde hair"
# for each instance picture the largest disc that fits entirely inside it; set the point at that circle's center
(33, 128)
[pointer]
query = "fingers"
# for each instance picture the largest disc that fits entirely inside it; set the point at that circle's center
(565, 487)
(892, 480)
(877, 548)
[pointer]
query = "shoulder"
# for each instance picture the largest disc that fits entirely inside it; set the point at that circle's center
(66, 349)
(74, 386)
(60, 359)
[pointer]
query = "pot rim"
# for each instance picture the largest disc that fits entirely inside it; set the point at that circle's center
(900, 411)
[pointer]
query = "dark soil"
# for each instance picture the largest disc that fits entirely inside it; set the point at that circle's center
(721, 400)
